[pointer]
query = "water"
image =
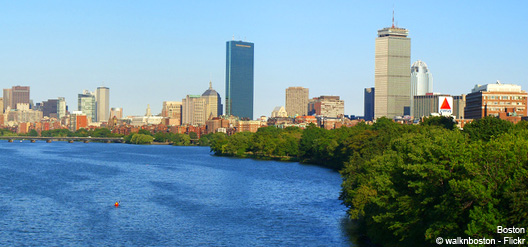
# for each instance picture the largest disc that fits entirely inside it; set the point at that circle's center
(63, 194)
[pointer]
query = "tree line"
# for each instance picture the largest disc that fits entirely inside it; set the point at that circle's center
(409, 184)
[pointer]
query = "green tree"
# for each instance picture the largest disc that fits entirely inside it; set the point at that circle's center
(442, 121)
(193, 135)
(32, 133)
(486, 128)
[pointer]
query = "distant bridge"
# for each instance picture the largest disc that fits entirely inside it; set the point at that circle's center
(68, 139)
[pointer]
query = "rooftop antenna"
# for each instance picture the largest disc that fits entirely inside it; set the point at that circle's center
(233, 37)
(392, 16)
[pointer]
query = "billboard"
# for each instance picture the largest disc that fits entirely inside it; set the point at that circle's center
(445, 105)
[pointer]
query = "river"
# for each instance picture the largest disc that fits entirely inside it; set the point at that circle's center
(63, 194)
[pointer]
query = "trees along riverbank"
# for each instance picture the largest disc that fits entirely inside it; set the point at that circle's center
(408, 185)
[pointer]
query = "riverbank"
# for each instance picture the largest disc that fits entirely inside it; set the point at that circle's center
(406, 183)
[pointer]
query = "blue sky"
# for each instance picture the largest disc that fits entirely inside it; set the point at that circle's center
(148, 52)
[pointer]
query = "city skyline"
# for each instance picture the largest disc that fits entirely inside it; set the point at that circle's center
(145, 54)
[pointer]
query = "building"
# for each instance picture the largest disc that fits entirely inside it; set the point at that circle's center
(421, 80)
(7, 99)
(213, 102)
(86, 104)
(49, 108)
(297, 101)
(78, 120)
(239, 79)
(494, 99)
(327, 106)
(19, 94)
(279, 111)
(173, 111)
(102, 99)
(429, 104)
(392, 72)
(2, 105)
(193, 110)
(62, 109)
(368, 105)
(16, 95)
(116, 112)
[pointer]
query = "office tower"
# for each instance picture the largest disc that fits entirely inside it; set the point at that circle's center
(193, 110)
(49, 108)
(102, 98)
(116, 112)
(7, 98)
(86, 105)
(213, 102)
(61, 107)
(173, 111)
(421, 81)
(496, 100)
(16, 95)
(327, 106)
(239, 79)
(297, 101)
(392, 72)
(368, 98)
(2, 105)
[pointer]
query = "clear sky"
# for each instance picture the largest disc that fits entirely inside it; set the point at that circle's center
(148, 52)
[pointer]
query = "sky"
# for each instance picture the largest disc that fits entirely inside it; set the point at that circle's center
(148, 52)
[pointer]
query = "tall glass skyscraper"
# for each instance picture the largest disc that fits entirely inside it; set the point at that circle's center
(239, 79)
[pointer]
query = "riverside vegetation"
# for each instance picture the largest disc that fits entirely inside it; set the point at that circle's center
(406, 185)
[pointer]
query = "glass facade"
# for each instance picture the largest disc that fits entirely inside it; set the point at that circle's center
(86, 105)
(239, 79)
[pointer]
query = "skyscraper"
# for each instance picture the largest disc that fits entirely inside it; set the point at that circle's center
(7, 98)
(61, 107)
(86, 105)
(297, 101)
(213, 102)
(16, 95)
(193, 110)
(392, 72)
(102, 98)
(421, 81)
(369, 103)
(239, 79)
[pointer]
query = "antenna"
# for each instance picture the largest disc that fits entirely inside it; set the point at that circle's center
(392, 16)
(233, 37)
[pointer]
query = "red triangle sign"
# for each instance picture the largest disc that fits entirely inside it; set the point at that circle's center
(445, 105)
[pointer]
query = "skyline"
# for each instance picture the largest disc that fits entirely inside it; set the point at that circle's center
(154, 52)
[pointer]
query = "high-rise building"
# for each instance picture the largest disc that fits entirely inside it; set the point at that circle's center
(102, 99)
(49, 108)
(19, 94)
(421, 81)
(16, 95)
(213, 102)
(500, 100)
(1, 105)
(297, 101)
(7, 98)
(368, 98)
(239, 79)
(86, 105)
(392, 72)
(61, 107)
(193, 110)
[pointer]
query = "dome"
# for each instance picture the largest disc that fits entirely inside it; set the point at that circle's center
(419, 66)
(210, 91)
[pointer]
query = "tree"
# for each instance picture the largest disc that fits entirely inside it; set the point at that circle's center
(33, 133)
(486, 128)
(193, 135)
(441, 121)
